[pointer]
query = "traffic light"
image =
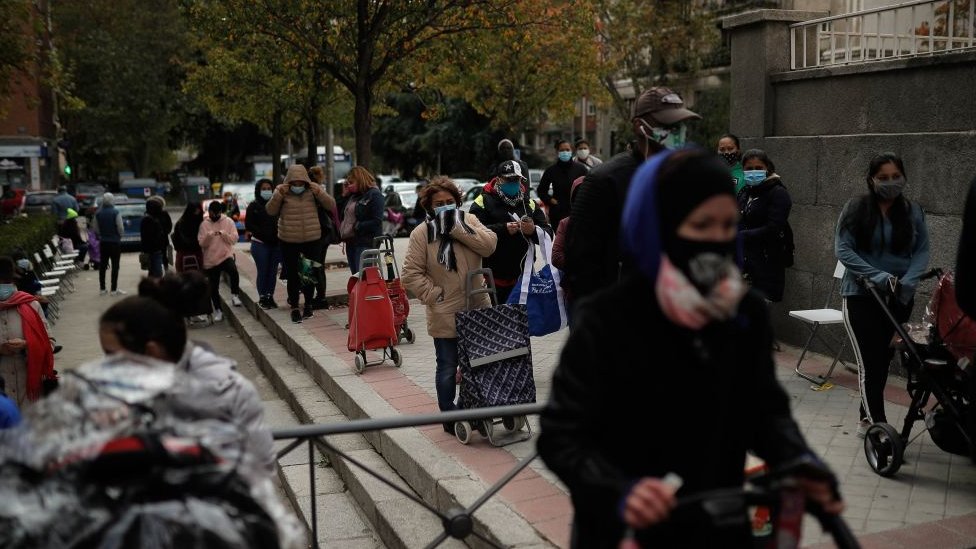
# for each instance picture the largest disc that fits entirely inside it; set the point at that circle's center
(67, 170)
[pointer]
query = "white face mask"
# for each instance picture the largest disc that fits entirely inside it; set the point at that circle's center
(582, 153)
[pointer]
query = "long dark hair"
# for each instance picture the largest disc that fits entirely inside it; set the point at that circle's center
(864, 215)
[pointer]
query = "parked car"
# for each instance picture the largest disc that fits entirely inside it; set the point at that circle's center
(384, 180)
(132, 210)
(39, 202)
(12, 202)
(86, 195)
(466, 185)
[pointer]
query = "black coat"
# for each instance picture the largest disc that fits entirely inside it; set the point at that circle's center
(559, 177)
(260, 223)
(185, 235)
(369, 216)
(966, 262)
(634, 399)
(152, 238)
(764, 212)
(506, 262)
(593, 256)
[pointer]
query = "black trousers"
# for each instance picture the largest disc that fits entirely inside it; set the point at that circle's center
(111, 251)
(871, 332)
(228, 266)
(291, 254)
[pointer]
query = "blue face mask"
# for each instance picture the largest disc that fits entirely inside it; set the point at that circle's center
(7, 290)
(754, 177)
(511, 188)
(266, 194)
(565, 156)
(297, 190)
(445, 208)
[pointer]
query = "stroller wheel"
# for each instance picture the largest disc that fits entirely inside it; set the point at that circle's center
(360, 363)
(462, 430)
(396, 357)
(409, 335)
(884, 449)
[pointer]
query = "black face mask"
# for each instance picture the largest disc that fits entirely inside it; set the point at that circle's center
(730, 157)
(703, 262)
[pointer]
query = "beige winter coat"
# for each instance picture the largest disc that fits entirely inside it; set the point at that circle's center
(298, 219)
(430, 281)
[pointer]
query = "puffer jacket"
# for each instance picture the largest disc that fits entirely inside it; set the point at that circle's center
(442, 291)
(298, 218)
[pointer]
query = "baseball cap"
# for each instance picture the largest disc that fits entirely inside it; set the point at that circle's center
(510, 168)
(663, 105)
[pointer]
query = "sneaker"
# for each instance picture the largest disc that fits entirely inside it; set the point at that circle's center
(199, 318)
(308, 311)
(235, 301)
(103, 292)
(119, 292)
(218, 315)
(862, 428)
(296, 316)
(272, 304)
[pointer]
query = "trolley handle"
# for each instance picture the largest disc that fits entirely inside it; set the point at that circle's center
(935, 272)
(383, 243)
(370, 257)
(470, 291)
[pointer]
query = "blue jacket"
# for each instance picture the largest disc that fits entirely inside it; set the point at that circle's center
(880, 262)
(109, 224)
(9, 414)
(369, 216)
(61, 203)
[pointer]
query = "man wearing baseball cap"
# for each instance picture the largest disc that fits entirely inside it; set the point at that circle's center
(593, 257)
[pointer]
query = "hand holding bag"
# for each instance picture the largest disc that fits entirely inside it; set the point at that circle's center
(540, 291)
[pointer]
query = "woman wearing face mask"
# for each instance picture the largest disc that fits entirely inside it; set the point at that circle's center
(706, 332)
(558, 180)
(764, 211)
(505, 208)
(264, 242)
(584, 156)
(217, 237)
(881, 236)
(441, 253)
(26, 354)
(299, 231)
(362, 216)
(728, 148)
(189, 254)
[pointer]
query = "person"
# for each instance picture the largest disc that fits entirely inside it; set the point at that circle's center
(583, 155)
(439, 256)
(362, 217)
(557, 180)
(217, 236)
(9, 413)
(61, 203)
(72, 229)
(764, 211)
(26, 351)
(881, 236)
(299, 230)
(166, 225)
(593, 257)
(109, 229)
(220, 391)
(728, 148)
(966, 258)
(506, 152)
(231, 209)
(189, 254)
(708, 332)
(265, 248)
(505, 208)
(152, 240)
(329, 224)
(559, 242)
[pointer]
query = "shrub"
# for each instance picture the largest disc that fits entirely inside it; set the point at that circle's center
(28, 233)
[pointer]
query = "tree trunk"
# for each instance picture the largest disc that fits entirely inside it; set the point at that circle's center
(276, 148)
(363, 124)
(329, 157)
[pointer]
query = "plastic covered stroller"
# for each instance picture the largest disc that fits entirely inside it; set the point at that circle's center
(938, 356)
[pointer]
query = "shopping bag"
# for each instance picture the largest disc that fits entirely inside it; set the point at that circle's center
(540, 291)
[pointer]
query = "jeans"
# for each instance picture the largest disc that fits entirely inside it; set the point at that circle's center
(110, 251)
(292, 252)
(446, 351)
(267, 258)
(229, 266)
(155, 265)
(353, 254)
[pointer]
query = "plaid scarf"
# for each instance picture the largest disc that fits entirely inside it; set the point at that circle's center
(439, 228)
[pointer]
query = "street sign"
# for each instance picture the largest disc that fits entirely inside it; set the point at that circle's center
(202, 190)
(146, 191)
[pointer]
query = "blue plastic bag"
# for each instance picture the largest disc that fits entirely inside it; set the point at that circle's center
(540, 291)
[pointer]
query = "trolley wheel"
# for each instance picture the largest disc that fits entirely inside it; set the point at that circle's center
(409, 335)
(510, 423)
(360, 362)
(884, 449)
(521, 422)
(396, 357)
(462, 430)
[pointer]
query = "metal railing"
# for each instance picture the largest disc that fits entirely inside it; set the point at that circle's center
(457, 522)
(922, 27)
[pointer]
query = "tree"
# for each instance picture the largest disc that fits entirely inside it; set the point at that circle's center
(124, 57)
(360, 43)
(17, 32)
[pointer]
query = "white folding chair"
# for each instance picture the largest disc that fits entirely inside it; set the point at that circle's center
(56, 242)
(814, 319)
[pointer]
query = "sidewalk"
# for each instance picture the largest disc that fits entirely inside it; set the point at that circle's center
(931, 487)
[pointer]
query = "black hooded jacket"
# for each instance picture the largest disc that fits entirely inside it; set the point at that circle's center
(257, 221)
(966, 262)
(494, 213)
(764, 211)
(559, 178)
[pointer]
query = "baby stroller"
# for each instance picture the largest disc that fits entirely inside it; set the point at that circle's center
(398, 295)
(938, 359)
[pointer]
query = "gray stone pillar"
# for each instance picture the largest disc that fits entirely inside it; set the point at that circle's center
(760, 46)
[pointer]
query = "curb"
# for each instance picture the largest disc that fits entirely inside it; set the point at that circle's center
(437, 478)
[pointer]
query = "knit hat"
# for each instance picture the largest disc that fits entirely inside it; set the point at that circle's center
(663, 191)
(108, 199)
(71, 214)
(297, 172)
